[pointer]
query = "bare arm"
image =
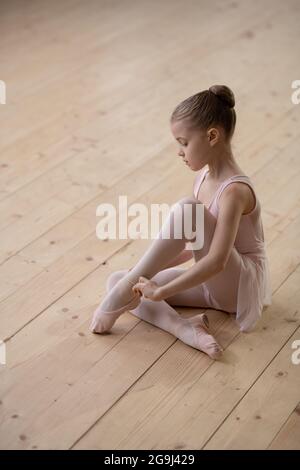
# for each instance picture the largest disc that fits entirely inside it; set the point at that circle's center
(232, 203)
(184, 256)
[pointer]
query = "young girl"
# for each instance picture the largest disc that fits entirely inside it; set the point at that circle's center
(231, 271)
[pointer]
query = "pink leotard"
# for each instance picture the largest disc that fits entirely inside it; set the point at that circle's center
(254, 289)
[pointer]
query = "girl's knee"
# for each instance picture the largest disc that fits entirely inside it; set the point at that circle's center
(115, 277)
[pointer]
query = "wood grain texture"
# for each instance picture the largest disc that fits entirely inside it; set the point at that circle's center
(90, 89)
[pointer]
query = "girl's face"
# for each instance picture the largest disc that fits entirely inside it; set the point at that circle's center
(194, 145)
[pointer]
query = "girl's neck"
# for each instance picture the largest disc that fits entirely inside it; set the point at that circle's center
(223, 166)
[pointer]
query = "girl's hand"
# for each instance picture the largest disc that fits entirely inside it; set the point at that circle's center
(149, 289)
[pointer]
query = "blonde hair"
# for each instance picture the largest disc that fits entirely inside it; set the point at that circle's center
(207, 108)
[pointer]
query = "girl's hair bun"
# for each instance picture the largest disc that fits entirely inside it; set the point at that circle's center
(224, 93)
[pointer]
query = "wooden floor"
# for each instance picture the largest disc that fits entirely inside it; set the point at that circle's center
(90, 89)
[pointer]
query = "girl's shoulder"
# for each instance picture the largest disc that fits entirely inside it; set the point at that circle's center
(240, 186)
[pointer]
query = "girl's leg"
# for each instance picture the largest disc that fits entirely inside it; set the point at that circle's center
(159, 254)
(192, 331)
(194, 297)
(220, 289)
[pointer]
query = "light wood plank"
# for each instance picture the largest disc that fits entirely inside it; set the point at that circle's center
(92, 111)
(289, 436)
(259, 416)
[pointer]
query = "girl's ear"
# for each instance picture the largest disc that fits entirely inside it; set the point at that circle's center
(213, 136)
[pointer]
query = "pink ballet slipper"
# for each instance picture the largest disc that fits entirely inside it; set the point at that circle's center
(202, 337)
(103, 321)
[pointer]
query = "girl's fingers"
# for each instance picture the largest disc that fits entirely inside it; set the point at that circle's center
(136, 291)
(138, 287)
(143, 286)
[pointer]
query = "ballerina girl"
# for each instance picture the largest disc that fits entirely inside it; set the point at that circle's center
(230, 270)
